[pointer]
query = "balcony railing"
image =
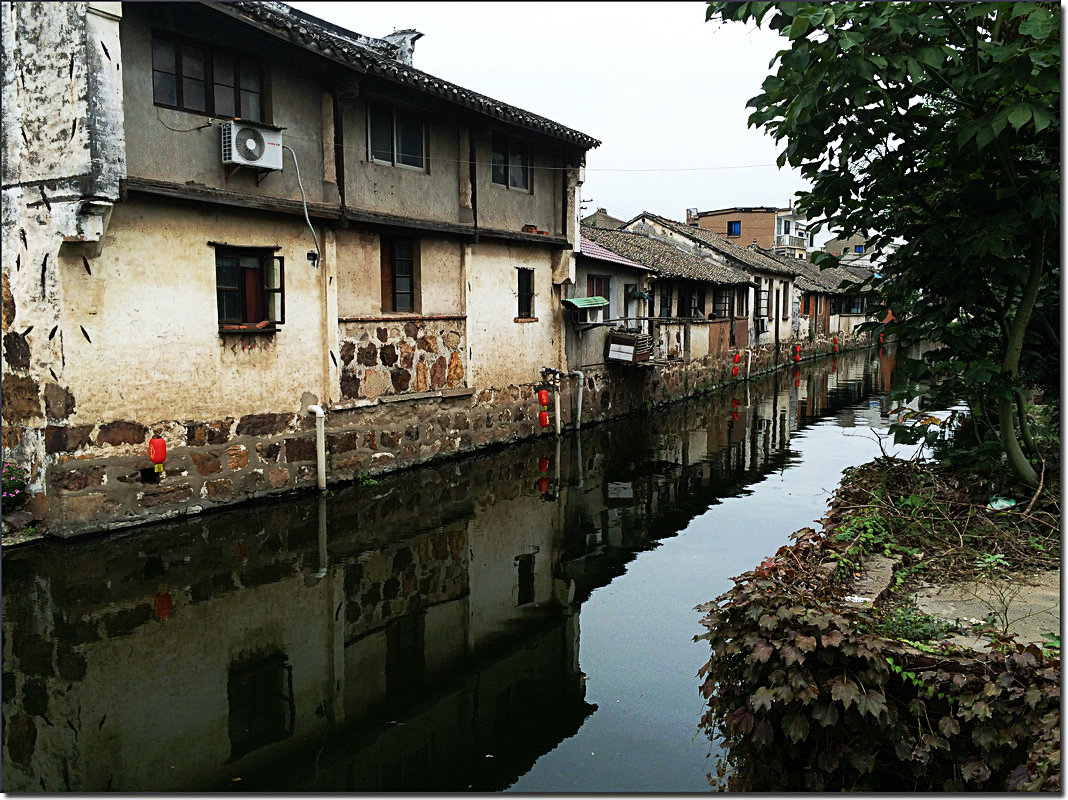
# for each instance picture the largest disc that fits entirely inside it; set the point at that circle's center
(787, 240)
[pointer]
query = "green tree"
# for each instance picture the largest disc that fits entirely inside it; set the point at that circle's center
(936, 125)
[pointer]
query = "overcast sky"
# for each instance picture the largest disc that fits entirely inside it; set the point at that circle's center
(663, 90)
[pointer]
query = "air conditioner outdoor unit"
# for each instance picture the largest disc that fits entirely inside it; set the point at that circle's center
(251, 145)
(762, 324)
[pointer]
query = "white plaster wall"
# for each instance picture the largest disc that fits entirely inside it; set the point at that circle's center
(359, 266)
(503, 351)
(150, 310)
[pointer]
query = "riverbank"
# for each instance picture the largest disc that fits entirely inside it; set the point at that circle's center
(912, 644)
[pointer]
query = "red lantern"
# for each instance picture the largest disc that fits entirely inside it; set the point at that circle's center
(836, 340)
(797, 348)
(737, 358)
(162, 604)
(797, 356)
(880, 338)
(797, 382)
(734, 415)
(836, 348)
(543, 485)
(543, 463)
(734, 371)
(543, 397)
(734, 402)
(157, 450)
(543, 419)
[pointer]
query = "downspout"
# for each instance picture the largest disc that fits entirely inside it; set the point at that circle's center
(582, 382)
(320, 443)
(556, 404)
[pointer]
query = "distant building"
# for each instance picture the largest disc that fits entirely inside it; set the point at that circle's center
(853, 251)
(602, 219)
(781, 230)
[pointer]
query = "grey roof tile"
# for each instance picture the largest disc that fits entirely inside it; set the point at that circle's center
(663, 257)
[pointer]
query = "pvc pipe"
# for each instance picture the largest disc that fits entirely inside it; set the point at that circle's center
(749, 363)
(582, 381)
(556, 403)
(320, 442)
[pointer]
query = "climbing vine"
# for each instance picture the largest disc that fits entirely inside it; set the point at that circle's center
(806, 691)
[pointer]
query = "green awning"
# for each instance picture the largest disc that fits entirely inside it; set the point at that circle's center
(585, 302)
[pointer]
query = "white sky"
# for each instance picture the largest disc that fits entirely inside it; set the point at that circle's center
(663, 90)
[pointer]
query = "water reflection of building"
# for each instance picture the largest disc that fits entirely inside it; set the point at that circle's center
(388, 638)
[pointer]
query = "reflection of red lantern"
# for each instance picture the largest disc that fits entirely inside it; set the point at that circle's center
(737, 358)
(834, 365)
(543, 419)
(543, 485)
(543, 463)
(734, 371)
(543, 397)
(836, 348)
(734, 415)
(162, 605)
(157, 450)
(797, 381)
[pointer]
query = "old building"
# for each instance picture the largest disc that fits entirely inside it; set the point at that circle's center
(222, 219)
(768, 309)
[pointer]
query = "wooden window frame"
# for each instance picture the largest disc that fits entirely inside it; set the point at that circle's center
(237, 289)
(737, 229)
(211, 53)
(379, 106)
(502, 149)
(394, 270)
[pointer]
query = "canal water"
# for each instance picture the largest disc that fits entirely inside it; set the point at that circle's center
(521, 619)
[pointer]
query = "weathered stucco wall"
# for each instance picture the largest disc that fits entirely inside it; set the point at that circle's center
(504, 351)
(172, 146)
(142, 356)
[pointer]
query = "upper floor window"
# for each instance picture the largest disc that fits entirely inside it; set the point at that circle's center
(858, 248)
(734, 227)
(250, 288)
(400, 271)
(511, 162)
(395, 135)
(786, 226)
(205, 80)
(598, 286)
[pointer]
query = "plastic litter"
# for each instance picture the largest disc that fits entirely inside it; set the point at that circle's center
(1000, 503)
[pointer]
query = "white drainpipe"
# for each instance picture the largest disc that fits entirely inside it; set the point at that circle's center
(320, 442)
(582, 381)
(749, 363)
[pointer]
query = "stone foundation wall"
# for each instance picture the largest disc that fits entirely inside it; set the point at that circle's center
(99, 477)
(391, 357)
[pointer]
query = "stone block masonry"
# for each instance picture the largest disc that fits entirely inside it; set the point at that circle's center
(99, 476)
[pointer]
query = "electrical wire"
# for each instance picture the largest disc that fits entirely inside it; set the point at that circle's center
(304, 200)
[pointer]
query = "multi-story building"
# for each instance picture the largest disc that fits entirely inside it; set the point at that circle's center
(222, 220)
(782, 230)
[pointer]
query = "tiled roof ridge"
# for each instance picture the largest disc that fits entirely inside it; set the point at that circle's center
(714, 240)
(376, 56)
(663, 257)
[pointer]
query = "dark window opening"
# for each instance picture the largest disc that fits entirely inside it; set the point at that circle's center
(763, 299)
(511, 163)
(261, 704)
(665, 301)
(395, 135)
(399, 274)
(858, 248)
(526, 293)
(206, 80)
(525, 570)
(405, 658)
(250, 288)
(734, 227)
(721, 303)
(741, 308)
(805, 300)
(786, 294)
